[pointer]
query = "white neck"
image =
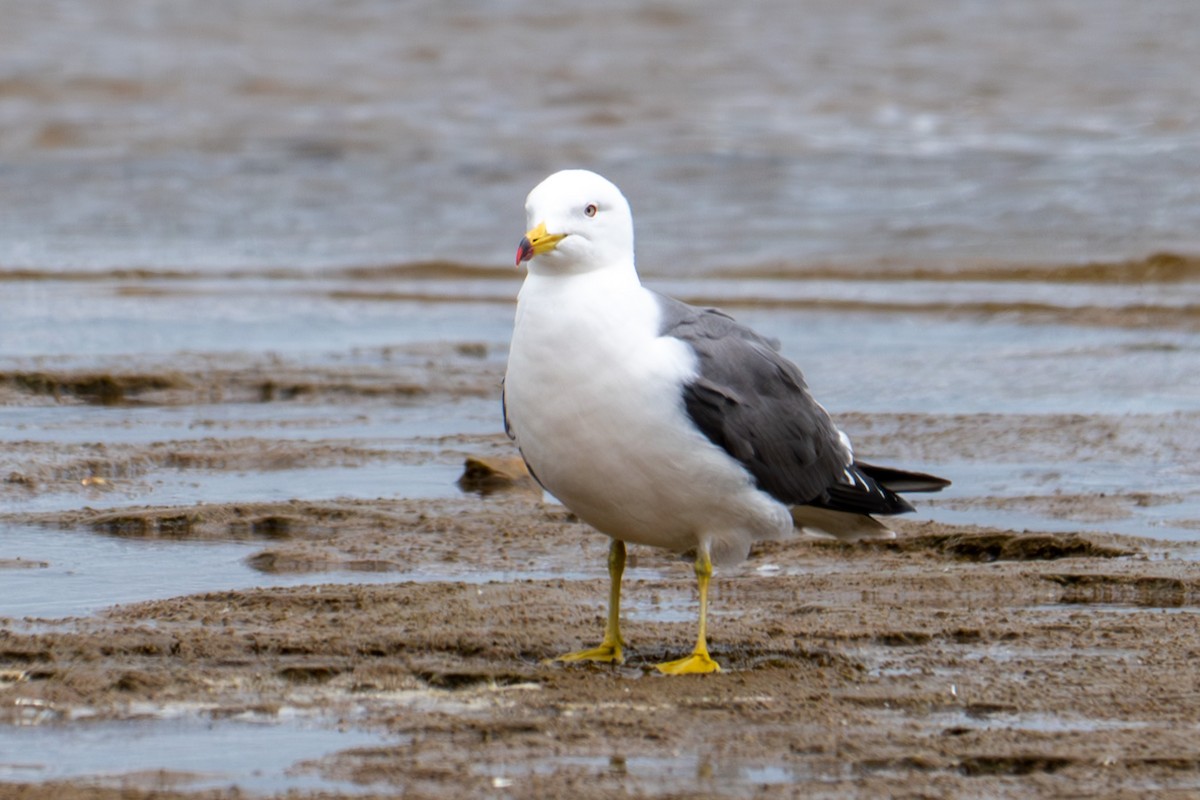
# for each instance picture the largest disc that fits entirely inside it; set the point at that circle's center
(613, 274)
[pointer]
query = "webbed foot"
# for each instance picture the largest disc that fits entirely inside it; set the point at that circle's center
(607, 653)
(696, 664)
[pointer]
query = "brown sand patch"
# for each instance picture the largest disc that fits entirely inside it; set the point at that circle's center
(932, 662)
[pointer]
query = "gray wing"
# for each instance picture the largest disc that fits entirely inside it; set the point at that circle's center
(752, 402)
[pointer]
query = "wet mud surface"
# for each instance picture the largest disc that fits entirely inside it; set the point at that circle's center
(268, 563)
(970, 662)
(955, 660)
(960, 659)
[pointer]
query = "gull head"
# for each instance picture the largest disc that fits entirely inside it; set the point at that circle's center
(578, 222)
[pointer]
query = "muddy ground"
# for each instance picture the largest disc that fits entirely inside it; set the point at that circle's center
(948, 662)
(966, 658)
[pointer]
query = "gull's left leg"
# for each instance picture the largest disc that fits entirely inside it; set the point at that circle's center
(610, 648)
(699, 661)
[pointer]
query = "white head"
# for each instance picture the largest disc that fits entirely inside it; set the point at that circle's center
(578, 222)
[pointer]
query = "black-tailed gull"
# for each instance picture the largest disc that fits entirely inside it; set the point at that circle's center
(663, 424)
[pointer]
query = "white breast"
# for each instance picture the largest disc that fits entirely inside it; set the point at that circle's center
(593, 396)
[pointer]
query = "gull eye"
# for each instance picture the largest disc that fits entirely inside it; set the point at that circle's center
(590, 210)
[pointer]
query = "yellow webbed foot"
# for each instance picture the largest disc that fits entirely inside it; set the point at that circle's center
(606, 652)
(609, 651)
(699, 662)
(695, 664)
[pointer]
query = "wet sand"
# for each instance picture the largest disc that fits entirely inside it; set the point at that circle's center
(965, 658)
(952, 661)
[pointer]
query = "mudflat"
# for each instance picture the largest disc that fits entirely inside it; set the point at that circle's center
(970, 662)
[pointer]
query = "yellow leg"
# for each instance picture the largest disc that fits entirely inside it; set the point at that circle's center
(610, 649)
(699, 661)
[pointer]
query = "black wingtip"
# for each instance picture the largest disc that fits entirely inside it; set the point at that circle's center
(899, 480)
(861, 493)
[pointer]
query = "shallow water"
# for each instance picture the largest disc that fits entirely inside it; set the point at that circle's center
(860, 360)
(75, 322)
(81, 573)
(388, 426)
(280, 754)
(54, 574)
(1163, 501)
(173, 487)
(882, 362)
(369, 133)
(929, 363)
(260, 756)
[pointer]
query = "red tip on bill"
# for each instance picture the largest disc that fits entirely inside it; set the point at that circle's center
(524, 251)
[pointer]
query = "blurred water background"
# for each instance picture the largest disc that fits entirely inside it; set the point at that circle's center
(308, 133)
